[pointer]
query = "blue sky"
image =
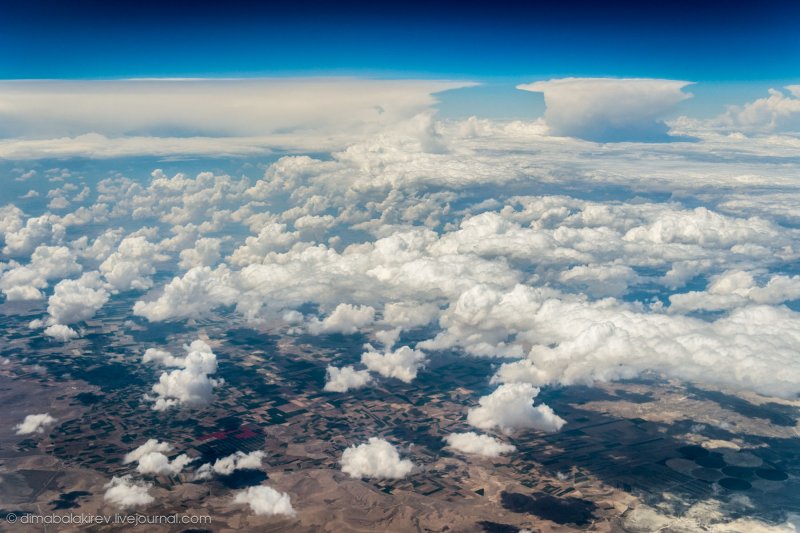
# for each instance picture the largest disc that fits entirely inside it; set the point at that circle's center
(701, 41)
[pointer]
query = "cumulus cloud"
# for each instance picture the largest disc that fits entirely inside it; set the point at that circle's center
(76, 300)
(60, 332)
(265, 501)
(23, 239)
(151, 446)
(345, 378)
(204, 253)
(151, 459)
(345, 318)
(402, 363)
(777, 112)
(131, 266)
(189, 385)
(34, 424)
(25, 282)
(199, 291)
(609, 109)
(226, 466)
(377, 458)
(474, 443)
(124, 492)
(736, 288)
(510, 407)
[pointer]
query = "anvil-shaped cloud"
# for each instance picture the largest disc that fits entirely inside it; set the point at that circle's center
(609, 109)
(118, 117)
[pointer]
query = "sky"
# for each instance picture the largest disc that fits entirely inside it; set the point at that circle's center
(698, 41)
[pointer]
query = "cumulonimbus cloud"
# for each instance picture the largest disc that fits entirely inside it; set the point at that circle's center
(609, 109)
(116, 117)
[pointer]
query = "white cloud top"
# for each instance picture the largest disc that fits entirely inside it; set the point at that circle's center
(190, 385)
(609, 109)
(345, 378)
(124, 492)
(192, 116)
(34, 424)
(265, 501)
(377, 458)
(226, 466)
(510, 407)
(477, 444)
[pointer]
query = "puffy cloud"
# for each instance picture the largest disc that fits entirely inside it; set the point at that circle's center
(228, 465)
(204, 253)
(609, 109)
(162, 357)
(510, 407)
(158, 463)
(131, 266)
(346, 378)
(199, 291)
(76, 300)
(474, 443)
(152, 460)
(34, 424)
(403, 363)
(375, 459)
(151, 446)
(345, 318)
(409, 315)
(61, 332)
(44, 229)
(189, 385)
(124, 492)
(265, 501)
(737, 288)
(777, 112)
(24, 282)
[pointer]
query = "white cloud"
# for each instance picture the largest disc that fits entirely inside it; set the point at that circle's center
(204, 253)
(124, 492)
(777, 112)
(402, 363)
(346, 378)
(168, 117)
(152, 460)
(76, 300)
(34, 424)
(61, 332)
(409, 315)
(162, 357)
(24, 282)
(131, 266)
(228, 465)
(191, 384)
(609, 109)
(160, 464)
(199, 291)
(265, 501)
(346, 318)
(23, 239)
(474, 443)
(151, 446)
(510, 407)
(736, 288)
(375, 459)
